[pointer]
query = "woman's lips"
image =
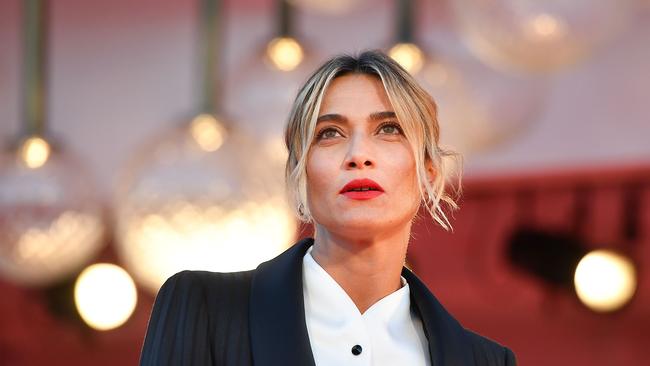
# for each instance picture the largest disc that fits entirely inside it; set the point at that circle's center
(362, 195)
(362, 189)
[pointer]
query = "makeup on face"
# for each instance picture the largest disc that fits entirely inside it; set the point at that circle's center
(362, 189)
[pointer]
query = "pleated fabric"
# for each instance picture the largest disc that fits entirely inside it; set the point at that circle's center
(200, 318)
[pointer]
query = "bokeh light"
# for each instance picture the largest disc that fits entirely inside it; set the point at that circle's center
(105, 296)
(479, 108)
(605, 280)
(34, 152)
(180, 207)
(409, 56)
(51, 222)
(208, 133)
(285, 53)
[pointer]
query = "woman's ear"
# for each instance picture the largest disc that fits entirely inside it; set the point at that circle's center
(432, 173)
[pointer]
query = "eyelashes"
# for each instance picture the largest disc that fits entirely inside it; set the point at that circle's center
(395, 125)
(321, 134)
(330, 132)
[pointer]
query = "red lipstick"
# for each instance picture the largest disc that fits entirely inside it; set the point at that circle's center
(362, 189)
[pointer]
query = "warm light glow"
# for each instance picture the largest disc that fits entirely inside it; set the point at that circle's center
(605, 280)
(545, 27)
(408, 55)
(208, 133)
(182, 235)
(38, 243)
(48, 244)
(285, 53)
(105, 296)
(34, 152)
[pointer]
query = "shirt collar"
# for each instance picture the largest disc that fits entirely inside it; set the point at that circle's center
(327, 301)
(276, 307)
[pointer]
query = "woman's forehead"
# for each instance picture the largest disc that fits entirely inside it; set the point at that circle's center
(351, 94)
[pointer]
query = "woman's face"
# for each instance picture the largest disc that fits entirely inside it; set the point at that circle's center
(360, 145)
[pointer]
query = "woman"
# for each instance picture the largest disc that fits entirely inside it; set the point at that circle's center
(363, 156)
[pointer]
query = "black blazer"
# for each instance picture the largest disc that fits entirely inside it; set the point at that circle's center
(257, 318)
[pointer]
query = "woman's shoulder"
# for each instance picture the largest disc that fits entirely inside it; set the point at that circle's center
(488, 352)
(210, 286)
(211, 279)
(191, 317)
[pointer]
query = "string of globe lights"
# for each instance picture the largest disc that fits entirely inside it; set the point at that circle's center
(268, 78)
(203, 195)
(51, 221)
(479, 107)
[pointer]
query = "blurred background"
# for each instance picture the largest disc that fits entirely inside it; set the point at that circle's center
(142, 137)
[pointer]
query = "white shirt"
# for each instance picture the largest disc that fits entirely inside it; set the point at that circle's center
(388, 333)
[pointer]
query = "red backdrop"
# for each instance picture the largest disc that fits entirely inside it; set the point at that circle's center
(466, 269)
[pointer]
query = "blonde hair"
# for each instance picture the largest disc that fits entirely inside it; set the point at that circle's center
(415, 110)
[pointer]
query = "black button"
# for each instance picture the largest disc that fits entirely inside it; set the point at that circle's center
(356, 350)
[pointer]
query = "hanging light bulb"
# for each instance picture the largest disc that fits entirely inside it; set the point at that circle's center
(537, 36)
(51, 222)
(203, 196)
(207, 132)
(181, 206)
(605, 280)
(478, 108)
(409, 55)
(285, 53)
(268, 85)
(34, 152)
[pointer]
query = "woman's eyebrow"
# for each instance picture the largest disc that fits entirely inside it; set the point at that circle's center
(382, 115)
(333, 117)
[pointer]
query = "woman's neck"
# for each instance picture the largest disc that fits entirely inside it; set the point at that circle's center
(368, 268)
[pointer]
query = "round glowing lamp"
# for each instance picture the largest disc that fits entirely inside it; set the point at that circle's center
(201, 197)
(51, 222)
(539, 36)
(270, 86)
(605, 281)
(105, 296)
(409, 56)
(34, 152)
(479, 108)
(285, 53)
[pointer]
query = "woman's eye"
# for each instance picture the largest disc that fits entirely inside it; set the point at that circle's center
(328, 133)
(390, 128)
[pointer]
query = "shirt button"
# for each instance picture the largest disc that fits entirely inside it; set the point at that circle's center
(356, 350)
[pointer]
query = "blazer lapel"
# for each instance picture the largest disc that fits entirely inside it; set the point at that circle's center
(278, 329)
(447, 344)
(277, 314)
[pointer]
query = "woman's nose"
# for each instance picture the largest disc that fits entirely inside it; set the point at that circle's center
(358, 155)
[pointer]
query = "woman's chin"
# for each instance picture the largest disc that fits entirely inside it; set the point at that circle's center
(362, 226)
